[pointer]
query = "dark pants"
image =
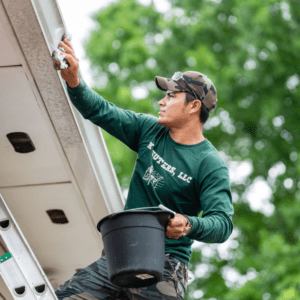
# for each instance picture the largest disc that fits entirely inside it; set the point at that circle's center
(92, 283)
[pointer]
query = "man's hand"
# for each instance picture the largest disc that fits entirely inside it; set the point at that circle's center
(70, 74)
(176, 227)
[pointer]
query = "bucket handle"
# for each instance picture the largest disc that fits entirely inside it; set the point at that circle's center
(164, 217)
(141, 208)
(162, 207)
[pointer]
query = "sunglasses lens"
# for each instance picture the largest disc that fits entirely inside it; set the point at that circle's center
(177, 76)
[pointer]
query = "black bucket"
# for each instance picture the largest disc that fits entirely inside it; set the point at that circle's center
(134, 245)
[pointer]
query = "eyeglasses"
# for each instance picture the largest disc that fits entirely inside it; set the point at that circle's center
(179, 75)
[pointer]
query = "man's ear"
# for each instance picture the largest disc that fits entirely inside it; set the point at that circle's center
(195, 106)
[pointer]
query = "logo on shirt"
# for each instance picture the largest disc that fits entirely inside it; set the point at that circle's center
(153, 177)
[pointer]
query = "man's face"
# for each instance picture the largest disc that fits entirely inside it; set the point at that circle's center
(173, 110)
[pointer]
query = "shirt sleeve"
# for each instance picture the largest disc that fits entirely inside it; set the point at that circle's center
(125, 125)
(215, 225)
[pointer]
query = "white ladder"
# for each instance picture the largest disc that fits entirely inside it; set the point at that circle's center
(19, 267)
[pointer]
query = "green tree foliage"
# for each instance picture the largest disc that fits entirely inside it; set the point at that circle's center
(250, 50)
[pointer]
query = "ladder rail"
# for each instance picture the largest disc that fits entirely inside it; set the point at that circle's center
(15, 280)
(23, 257)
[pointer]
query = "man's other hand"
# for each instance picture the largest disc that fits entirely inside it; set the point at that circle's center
(70, 74)
(176, 227)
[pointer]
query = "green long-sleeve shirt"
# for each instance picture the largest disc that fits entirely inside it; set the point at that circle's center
(184, 178)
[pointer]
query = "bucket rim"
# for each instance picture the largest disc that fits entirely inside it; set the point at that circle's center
(133, 211)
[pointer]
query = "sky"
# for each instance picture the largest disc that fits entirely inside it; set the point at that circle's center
(76, 15)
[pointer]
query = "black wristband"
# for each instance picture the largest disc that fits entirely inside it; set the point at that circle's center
(188, 220)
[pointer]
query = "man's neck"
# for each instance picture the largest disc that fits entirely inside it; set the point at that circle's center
(189, 135)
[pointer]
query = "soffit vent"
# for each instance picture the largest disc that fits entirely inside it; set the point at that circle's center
(57, 216)
(21, 142)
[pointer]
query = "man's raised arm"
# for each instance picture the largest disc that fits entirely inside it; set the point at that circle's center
(123, 124)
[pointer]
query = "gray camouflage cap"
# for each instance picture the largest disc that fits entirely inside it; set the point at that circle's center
(191, 82)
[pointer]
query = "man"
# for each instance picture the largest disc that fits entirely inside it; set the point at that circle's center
(176, 167)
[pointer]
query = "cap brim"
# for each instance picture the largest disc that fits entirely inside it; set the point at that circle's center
(166, 84)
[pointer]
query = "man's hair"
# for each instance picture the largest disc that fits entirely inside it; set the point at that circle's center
(204, 113)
